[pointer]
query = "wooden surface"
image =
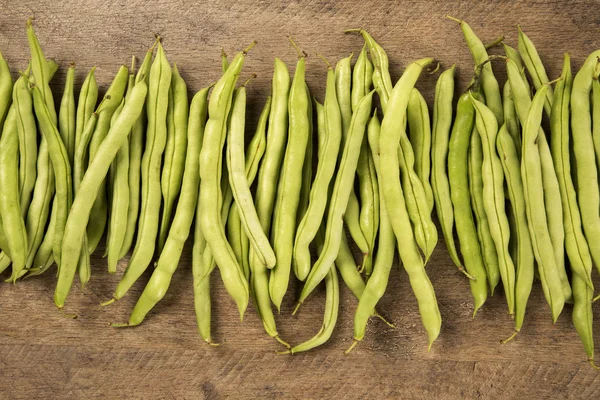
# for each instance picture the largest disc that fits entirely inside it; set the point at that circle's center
(44, 355)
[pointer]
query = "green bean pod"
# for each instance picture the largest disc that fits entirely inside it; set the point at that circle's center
(490, 256)
(510, 117)
(112, 100)
(381, 66)
(524, 260)
(458, 156)
(419, 129)
(10, 207)
(61, 167)
(210, 165)
(27, 132)
(369, 199)
(535, 67)
(339, 198)
(330, 136)
(136, 149)
(156, 109)
(283, 230)
(362, 77)
(489, 84)
(330, 316)
(277, 132)
(343, 82)
(175, 152)
(182, 221)
(583, 148)
(66, 115)
(44, 254)
(240, 187)
(119, 204)
(531, 172)
(583, 315)
(595, 105)
(307, 170)
(88, 96)
(442, 123)
(75, 228)
(493, 198)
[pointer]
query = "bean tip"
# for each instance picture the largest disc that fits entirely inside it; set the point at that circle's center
(352, 346)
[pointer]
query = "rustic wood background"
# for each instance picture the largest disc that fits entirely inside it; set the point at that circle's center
(44, 355)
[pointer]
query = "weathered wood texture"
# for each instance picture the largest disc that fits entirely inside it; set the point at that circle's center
(44, 355)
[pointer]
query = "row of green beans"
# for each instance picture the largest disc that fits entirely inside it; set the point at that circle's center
(142, 162)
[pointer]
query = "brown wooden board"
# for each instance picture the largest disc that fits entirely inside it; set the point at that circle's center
(45, 355)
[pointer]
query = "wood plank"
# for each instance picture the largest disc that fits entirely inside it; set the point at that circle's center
(44, 355)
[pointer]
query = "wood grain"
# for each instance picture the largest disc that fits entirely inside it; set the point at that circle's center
(44, 355)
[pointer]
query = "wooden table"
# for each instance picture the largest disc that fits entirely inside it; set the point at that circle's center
(44, 355)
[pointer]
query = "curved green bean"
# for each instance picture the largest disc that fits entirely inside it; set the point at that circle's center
(535, 67)
(66, 115)
(88, 96)
(6, 89)
(419, 130)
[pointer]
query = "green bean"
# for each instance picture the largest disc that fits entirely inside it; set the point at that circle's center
(416, 198)
(489, 84)
(27, 132)
(330, 136)
(531, 171)
(339, 198)
(240, 187)
(156, 109)
(10, 208)
(583, 149)
(442, 123)
(524, 258)
(6, 89)
(493, 198)
(66, 116)
(381, 64)
(458, 156)
(419, 130)
(343, 81)
(377, 284)
(516, 57)
(277, 132)
(136, 145)
(307, 171)
(535, 67)
(43, 257)
(88, 96)
(175, 149)
(224, 61)
(75, 228)
(111, 101)
(119, 204)
(583, 315)
(510, 117)
(201, 280)
(37, 214)
(578, 251)
(210, 166)
(332, 305)
(369, 197)
(256, 150)
(391, 132)
(362, 77)
(550, 182)
(490, 256)
(60, 166)
(182, 221)
(595, 100)
(290, 183)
